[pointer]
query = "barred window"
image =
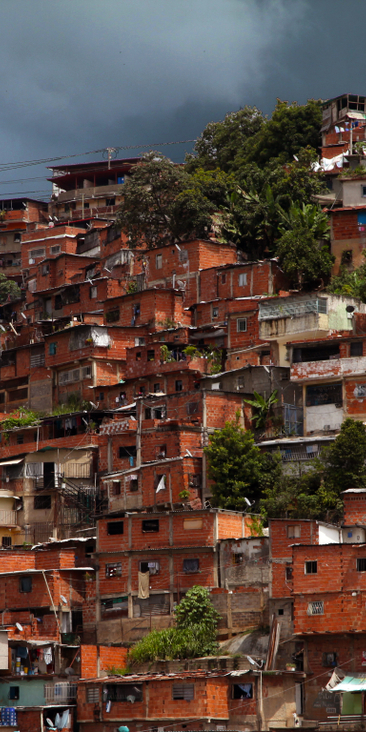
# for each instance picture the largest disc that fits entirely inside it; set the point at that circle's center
(92, 695)
(316, 607)
(183, 691)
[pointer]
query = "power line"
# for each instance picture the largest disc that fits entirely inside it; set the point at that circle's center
(43, 161)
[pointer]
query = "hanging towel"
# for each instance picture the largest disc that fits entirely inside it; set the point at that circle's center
(144, 589)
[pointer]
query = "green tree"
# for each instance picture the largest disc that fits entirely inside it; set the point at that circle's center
(344, 461)
(291, 128)
(193, 636)
(9, 290)
(234, 466)
(349, 283)
(221, 143)
(161, 204)
(303, 258)
(316, 492)
(262, 407)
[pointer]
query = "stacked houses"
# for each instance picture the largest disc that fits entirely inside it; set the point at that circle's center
(129, 361)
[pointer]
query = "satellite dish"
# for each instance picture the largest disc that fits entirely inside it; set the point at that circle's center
(63, 598)
(20, 627)
(350, 309)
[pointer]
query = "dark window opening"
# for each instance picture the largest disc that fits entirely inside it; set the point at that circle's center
(289, 573)
(152, 567)
(330, 659)
(110, 202)
(151, 355)
(311, 567)
(42, 502)
(191, 565)
(6, 541)
(114, 527)
(178, 385)
(318, 353)
(361, 564)
(112, 315)
(318, 395)
(14, 692)
(25, 584)
(150, 526)
(134, 485)
(127, 452)
(242, 691)
(123, 692)
(356, 348)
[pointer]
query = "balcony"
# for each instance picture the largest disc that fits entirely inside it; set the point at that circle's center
(288, 316)
(146, 366)
(60, 693)
(328, 369)
(8, 518)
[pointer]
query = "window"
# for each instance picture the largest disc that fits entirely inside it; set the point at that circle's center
(356, 348)
(6, 541)
(223, 279)
(178, 385)
(42, 502)
(101, 396)
(123, 692)
(20, 439)
(156, 388)
(114, 527)
(25, 584)
(138, 355)
(294, 532)
(215, 312)
(288, 574)
(363, 191)
(243, 279)
(311, 567)
(93, 292)
(127, 452)
(280, 611)
(241, 325)
(134, 485)
(317, 395)
(316, 607)
(113, 570)
(183, 691)
(116, 488)
(238, 558)
(159, 261)
(92, 695)
(112, 315)
(151, 567)
(150, 354)
(110, 201)
(242, 691)
(52, 349)
(17, 238)
(361, 564)
(45, 269)
(191, 565)
(136, 310)
(330, 659)
(150, 526)
(14, 692)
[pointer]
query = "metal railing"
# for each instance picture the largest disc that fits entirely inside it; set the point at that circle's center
(60, 692)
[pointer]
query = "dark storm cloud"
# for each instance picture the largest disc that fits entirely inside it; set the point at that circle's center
(79, 75)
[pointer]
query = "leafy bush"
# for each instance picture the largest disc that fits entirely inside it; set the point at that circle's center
(194, 635)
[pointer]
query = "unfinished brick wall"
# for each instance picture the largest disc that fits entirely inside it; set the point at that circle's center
(281, 550)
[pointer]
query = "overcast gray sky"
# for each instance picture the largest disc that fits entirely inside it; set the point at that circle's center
(80, 75)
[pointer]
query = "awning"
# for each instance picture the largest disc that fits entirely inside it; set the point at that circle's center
(11, 462)
(349, 683)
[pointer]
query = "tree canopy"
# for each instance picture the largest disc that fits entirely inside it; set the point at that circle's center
(193, 636)
(234, 466)
(9, 290)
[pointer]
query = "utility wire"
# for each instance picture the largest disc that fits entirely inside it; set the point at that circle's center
(43, 161)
